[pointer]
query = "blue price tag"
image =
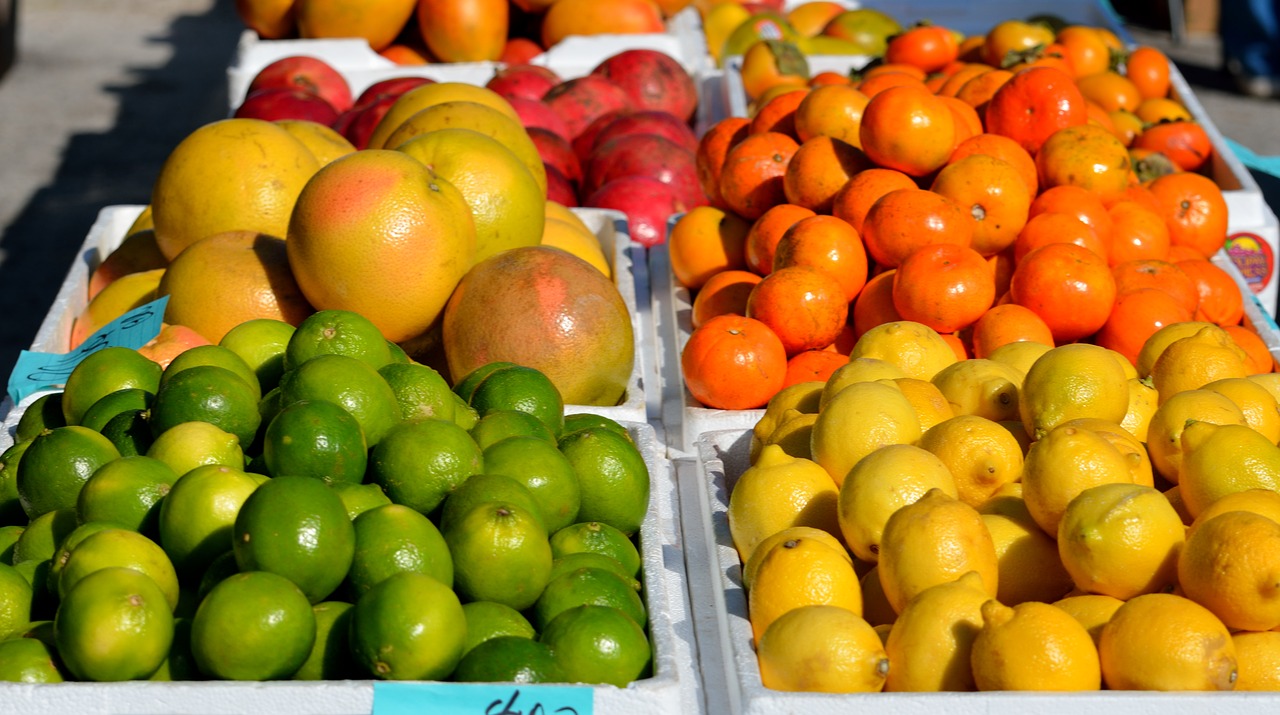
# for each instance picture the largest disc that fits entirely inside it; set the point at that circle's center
(48, 371)
(392, 698)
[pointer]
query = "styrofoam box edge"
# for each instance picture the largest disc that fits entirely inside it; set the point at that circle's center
(722, 457)
(627, 257)
(673, 688)
(575, 56)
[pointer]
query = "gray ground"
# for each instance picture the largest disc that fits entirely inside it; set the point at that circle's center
(103, 89)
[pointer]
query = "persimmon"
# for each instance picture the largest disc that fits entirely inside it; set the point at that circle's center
(1185, 142)
(1034, 104)
(957, 79)
(705, 241)
(889, 67)
(944, 286)
(828, 244)
(733, 362)
(929, 47)
(819, 169)
(1006, 150)
(1046, 228)
(1052, 55)
(1008, 40)
(712, 149)
(1138, 194)
(1110, 89)
(1258, 358)
(767, 231)
(1009, 323)
(967, 121)
(724, 293)
(875, 84)
(908, 129)
(834, 111)
(1002, 265)
(804, 306)
(1075, 201)
(823, 79)
(1069, 287)
(1194, 210)
(979, 90)
(1136, 316)
(1148, 69)
(906, 219)
(778, 114)
(767, 63)
(1221, 300)
(855, 198)
(874, 305)
(1153, 110)
(1137, 233)
(1126, 126)
(813, 366)
(1162, 275)
(751, 179)
(1085, 48)
(1087, 156)
(993, 193)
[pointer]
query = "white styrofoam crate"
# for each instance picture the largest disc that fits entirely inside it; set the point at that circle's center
(705, 484)
(627, 257)
(674, 686)
(574, 56)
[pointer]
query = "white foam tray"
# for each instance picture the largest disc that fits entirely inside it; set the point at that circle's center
(575, 56)
(674, 686)
(630, 269)
(714, 572)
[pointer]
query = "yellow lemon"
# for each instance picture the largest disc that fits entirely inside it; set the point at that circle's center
(1020, 355)
(1164, 436)
(930, 643)
(777, 492)
(1121, 540)
(1134, 451)
(560, 212)
(1159, 641)
(822, 649)
(882, 482)
(583, 244)
(1174, 495)
(795, 434)
(1033, 646)
(429, 95)
(1265, 502)
(1163, 338)
(985, 388)
(1270, 381)
(1231, 566)
(1069, 381)
(1130, 372)
(1261, 411)
(801, 572)
(1027, 558)
(802, 397)
(931, 405)
(1223, 459)
(858, 370)
(1258, 658)
(859, 420)
(934, 540)
(751, 565)
(981, 455)
(917, 349)
(1192, 362)
(1091, 610)
(876, 608)
(1143, 400)
(1064, 463)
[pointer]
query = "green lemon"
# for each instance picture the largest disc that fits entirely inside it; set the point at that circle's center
(10, 504)
(420, 390)
(298, 528)
(197, 444)
(130, 432)
(63, 552)
(419, 463)
(127, 491)
(509, 659)
(469, 382)
(318, 439)
(588, 585)
(395, 538)
(597, 538)
(482, 488)
(612, 477)
(42, 414)
(489, 619)
(57, 464)
(207, 393)
(500, 553)
(224, 566)
(261, 343)
(114, 624)
(128, 399)
(585, 559)
(521, 388)
(120, 547)
(103, 372)
(15, 601)
(359, 498)
(198, 516)
(500, 424)
(408, 627)
(598, 644)
(180, 664)
(253, 626)
(9, 536)
(348, 383)
(337, 332)
(330, 657)
(217, 356)
(585, 420)
(27, 660)
(547, 473)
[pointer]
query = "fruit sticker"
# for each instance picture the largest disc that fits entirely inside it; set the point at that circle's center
(1254, 257)
(480, 699)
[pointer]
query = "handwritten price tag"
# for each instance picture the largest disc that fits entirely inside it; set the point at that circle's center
(391, 698)
(37, 371)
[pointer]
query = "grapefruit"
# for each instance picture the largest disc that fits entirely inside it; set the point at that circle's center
(419, 98)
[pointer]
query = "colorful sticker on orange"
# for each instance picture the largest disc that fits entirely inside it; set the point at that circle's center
(1254, 257)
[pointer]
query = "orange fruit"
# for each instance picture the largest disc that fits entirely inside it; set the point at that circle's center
(944, 286)
(1070, 287)
(828, 244)
(908, 129)
(992, 192)
(751, 181)
(906, 219)
(733, 362)
(804, 306)
(1008, 323)
(855, 198)
(725, 292)
(819, 169)
(705, 241)
(767, 230)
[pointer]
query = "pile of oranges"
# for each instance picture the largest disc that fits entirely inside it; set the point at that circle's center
(1029, 184)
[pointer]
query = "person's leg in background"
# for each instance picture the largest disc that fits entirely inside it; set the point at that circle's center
(1250, 32)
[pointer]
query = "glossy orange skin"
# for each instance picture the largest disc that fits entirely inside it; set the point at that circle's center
(1186, 143)
(819, 169)
(908, 129)
(1087, 156)
(1033, 105)
(1013, 36)
(804, 306)
(1009, 323)
(767, 231)
(713, 147)
(590, 17)
(1085, 48)
(1046, 228)
(1258, 360)
(944, 286)
(733, 362)
(1162, 275)
(1079, 203)
(751, 180)
(1194, 210)
(960, 77)
(1137, 233)
(1069, 287)
(906, 219)
(778, 114)
(834, 111)
(874, 305)
(1148, 69)
(1221, 301)
(1136, 316)
(852, 202)
(813, 366)
(967, 121)
(929, 47)
(724, 293)
(1111, 90)
(827, 244)
(875, 84)
(767, 64)
(1005, 149)
(979, 90)
(473, 31)
(993, 193)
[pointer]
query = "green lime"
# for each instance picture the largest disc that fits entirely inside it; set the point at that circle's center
(330, 657)
(612, 477)
(500, 553)
(270, 404)
(198, 516)
(27, 660)
(207, 393)
(420, 390)
(42, 414)
(63, 552)
(588, 585)
(298, 528)
(547, 473)
(395, 538)
(464, 415)
(408, 627)
(253, 626)
(509, 659)
(359, 498)
(120, 547)
(220, 569)
(398, 355)
(500, 424)
(489, 619)
(15, 601)
(10, 504)
(419, 463)
(261, 344)
(337, 332)
(127, 491)
(585, 559)
(196, 444)
(598, 644)
(9, 536)
(597, 538)
(348, 383)
(103, 372)
(521, 388)
(44, 603)
(217, 356)
(318, 439)
(584, 420)
(130, 432)
(114, 624)
(469, 382)
(57, 464)
(101, 412)
(40, 540)
(482, 488)
(180, 664)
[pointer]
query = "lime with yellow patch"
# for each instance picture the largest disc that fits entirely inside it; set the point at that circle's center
(114, 624)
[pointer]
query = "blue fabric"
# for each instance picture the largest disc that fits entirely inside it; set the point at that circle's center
(1266, 164)
(1250, 31)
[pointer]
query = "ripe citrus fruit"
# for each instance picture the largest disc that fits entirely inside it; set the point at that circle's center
(351, 384)
(330, 657)
(597, 538)
(255, 625)
(56, 465)
(1160, 641)
(103, 372)
(598, 644)
(187, 445)
(261, 342)
(394, 538)
(613, 478)
(930, 643)
(113, 625)
(1033, 646)
(513, 659)
(521, 388)
(500, 553)
(1121, 540)
(777, 492)
(337, 332)
(207, 393)
(421, 391)
(314, 438)
(487, 619)
(586, 585)
(120, 547)
(822, 634)
(547, 473)
(408, 627)
(482, 488)
(880, 483)
(419, 463)
(217, 356)
(198, 515)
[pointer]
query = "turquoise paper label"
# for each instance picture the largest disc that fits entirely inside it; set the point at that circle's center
(393, 698)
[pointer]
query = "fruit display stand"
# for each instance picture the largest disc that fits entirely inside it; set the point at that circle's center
(673, 687)
(714, 571)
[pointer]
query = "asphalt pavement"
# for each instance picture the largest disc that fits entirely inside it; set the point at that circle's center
(102, 90)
